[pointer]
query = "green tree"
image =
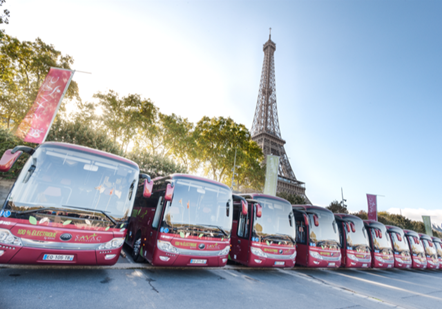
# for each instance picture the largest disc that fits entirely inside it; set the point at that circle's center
(4, 17)
(216, 140)
(294, 199)
(125, 117)
(336, 207)
(81, 133)
(154, 165)
(24, 66)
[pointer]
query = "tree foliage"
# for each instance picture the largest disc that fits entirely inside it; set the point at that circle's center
(398, 220)
(294, 199)
(4, 17)
(337, 207)
(23, 68)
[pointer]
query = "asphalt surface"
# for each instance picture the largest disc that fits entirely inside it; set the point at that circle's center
(145, 286)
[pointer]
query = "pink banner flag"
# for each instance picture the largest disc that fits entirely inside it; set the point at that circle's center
(35, 126)
(372, 207)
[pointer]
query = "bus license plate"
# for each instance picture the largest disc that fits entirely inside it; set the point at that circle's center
(279, 263)
(364, 265)
(331, 264)
(54, 257)
(193, 261)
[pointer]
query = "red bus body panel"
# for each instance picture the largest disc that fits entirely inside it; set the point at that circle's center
(41, 240)
(417, 262)
(432, 263)
(329, 257)
(406, 261)
(387, 259)
(191, 248)
(277, 255)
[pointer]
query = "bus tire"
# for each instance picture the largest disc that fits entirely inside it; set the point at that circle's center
(136, 249)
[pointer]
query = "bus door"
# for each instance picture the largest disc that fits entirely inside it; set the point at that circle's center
(243, 236)
(157, 204)
(301, 237)
(237, 205)
(343, 240)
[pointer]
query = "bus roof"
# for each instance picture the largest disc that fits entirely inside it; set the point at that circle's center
(89, 150)
(372, 223)
(347, 217)
(394, 229)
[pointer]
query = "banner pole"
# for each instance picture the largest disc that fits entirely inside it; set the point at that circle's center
(59, 104)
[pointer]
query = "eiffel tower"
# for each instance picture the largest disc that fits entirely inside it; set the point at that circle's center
(265, 128)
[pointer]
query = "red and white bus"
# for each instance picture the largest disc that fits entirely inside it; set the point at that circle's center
(355, 245)
(381, 249)
(416, 249)
(263, 231)
(430, 252)
(317, 237)
(181, 220)
(69, 205)
(401, 250)
(438, 243)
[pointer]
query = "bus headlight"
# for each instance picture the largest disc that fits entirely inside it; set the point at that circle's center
(166, 247)
(224, 251)
(316, 255)
(112, 244)
(293, 256)
(7, 238)
(380, 259)
(352, 257)
(258, 252)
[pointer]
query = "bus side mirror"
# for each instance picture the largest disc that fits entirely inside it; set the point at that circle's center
(348, 227)
(353, 228)
(380, 234)
(8, 159)
(430, 243)
(399, 237)
(169, 192)
(148, 185)
(305, 219)
(316, 220)
(244, 208)
(258, 211)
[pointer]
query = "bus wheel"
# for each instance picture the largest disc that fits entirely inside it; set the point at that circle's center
(136, 250)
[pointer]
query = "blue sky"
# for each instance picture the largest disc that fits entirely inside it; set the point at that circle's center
(358, 82)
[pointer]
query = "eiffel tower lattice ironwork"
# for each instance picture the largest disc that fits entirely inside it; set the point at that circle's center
(265, 128)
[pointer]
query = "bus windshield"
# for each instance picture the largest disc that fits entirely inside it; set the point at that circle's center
(381, 242)
(438, 248)
(358, 239)
(276, 223)
(400, 246)
(199, 208)
(416, 246)
(58, 178)
(430, 249)
(326, 233)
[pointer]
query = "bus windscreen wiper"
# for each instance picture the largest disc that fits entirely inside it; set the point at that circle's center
(278, 237)
(215, 226)
(35, 210)
(94, 210)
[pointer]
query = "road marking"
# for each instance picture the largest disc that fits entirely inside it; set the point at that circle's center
(232, 274)
(408, 282)
(388, 286)
(337, 287)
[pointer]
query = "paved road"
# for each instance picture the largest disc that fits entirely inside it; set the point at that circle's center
(218, 288)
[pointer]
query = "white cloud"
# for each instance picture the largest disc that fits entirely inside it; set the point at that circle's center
(416, 214)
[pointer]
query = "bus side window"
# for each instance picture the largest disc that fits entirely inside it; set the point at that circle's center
(158, 211)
